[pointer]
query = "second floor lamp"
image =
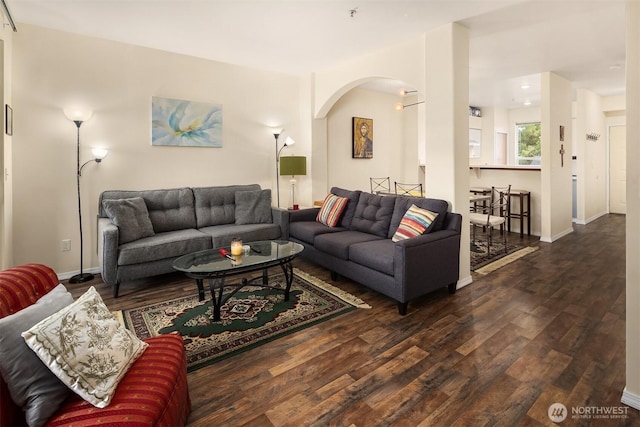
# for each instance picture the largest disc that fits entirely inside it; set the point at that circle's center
(78, 117)
(289, 141)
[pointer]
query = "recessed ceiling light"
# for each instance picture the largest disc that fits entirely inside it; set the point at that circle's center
(525, 86)
(527, 103)
(615, 67)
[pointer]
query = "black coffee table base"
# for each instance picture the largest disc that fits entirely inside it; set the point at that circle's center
(217, 284)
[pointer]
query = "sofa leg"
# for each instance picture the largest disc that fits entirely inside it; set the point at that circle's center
(334, 275)
(116, 288)
(402, 308)
(452, 288)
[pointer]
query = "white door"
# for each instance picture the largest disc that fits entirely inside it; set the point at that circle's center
(617, 170)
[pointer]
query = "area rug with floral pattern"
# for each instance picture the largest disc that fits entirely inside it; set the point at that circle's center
(251, 317)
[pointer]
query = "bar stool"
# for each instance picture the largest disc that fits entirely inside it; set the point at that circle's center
(484, 191)
(523, 197)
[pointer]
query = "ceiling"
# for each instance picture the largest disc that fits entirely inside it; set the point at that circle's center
(511, 41)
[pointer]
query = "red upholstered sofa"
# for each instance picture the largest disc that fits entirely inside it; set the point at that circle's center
(154, 391)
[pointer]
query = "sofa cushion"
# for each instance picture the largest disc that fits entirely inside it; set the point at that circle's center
(221, 235)
(350, 210)
(131, 216)
(331, 211)
(31, 384)
(403, 203)
(170, 244)
(376, 254)
(416, 221)
(86, 347)
(373, 214)
(217, 205)
(253, 207)
(169, 210)
(337, 244)
(306, 231)
(153, 393)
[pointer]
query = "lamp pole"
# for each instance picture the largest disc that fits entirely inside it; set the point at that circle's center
(277, 135)
(82, 277)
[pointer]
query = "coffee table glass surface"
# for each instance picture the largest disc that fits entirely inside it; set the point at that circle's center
(214, 266)
(210, 261)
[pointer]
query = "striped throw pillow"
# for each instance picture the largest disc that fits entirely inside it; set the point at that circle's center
(416, 221)
(331, 209)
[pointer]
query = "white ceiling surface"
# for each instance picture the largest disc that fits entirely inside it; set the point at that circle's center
(511, 41)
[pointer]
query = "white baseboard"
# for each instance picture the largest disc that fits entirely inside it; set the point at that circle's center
(630, 399)
(557, 236)
(464, 282)
(588, 220)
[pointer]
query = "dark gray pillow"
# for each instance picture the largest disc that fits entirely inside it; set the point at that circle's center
(31, 384)
(253, 207)
(131, 216)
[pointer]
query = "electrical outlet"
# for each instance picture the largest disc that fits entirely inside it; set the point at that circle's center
(66, 245)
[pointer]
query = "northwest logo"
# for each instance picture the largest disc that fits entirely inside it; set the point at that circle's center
(557, 412)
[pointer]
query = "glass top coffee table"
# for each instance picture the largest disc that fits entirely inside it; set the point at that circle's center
(210, 264)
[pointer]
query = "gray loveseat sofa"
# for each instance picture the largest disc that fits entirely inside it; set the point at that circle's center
(141, 233)
(360, 247)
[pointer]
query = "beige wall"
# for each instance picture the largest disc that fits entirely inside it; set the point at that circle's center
(6, 150)
(404, 62)
(556, 183)
(592, 155)
(631, 394)
(388, 141)
(54, 69)
(446, 121)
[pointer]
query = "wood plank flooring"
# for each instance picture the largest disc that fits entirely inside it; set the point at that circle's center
(547, 328)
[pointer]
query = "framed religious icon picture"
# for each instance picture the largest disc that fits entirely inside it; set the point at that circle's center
(362, 138)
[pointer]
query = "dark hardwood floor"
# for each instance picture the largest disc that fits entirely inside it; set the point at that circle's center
(547, 328)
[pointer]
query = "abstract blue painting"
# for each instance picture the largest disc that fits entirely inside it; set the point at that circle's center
(181, 123)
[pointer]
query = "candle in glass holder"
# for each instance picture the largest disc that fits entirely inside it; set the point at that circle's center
(236, 247)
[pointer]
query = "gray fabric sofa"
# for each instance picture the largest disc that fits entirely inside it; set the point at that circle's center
(360, 247)
(141, 233)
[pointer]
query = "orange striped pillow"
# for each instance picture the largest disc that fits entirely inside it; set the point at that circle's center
(331, 210)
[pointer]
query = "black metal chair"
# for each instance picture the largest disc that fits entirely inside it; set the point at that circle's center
(408, 189)
(496, 215)
(380, 185)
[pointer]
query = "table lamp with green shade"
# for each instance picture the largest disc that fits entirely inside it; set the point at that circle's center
(293, 165)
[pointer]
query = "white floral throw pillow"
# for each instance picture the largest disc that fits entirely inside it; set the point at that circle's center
(86, 347)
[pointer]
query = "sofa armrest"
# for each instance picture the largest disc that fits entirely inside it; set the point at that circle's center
(308, 214)
(281, 217)
(108, 243)
(453, 221)
(426, 263)
(154, 392)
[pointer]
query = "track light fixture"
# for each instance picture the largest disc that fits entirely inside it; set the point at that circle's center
(399, 106)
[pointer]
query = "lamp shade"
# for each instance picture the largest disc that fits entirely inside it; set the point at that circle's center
(99, 153)
(293, 165)
(77, 114)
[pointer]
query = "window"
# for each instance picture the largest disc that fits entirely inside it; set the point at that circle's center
(528, 143)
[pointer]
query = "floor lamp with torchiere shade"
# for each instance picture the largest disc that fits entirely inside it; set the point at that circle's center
(79, 116)
(293, 165)
(287, 142)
